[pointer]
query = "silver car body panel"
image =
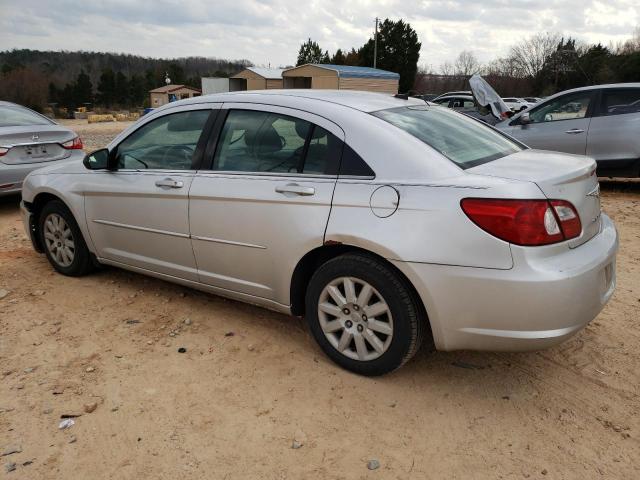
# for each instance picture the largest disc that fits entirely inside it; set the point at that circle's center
(233, 234)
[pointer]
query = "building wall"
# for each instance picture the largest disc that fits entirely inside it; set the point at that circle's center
(321, 78)
(254, 81)
(159, 99)
(274, 83)
(370, 85)
(324, 82)
(214, 85)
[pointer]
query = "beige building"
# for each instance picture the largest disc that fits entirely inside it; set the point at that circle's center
(171, 93)
(341, 77)
(254, 78)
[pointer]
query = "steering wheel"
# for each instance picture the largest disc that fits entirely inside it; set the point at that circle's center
(186, 151)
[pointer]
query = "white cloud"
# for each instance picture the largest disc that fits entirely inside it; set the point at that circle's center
(271, 31)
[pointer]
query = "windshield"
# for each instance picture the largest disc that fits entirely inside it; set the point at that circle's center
(464, 141)
(18, 117)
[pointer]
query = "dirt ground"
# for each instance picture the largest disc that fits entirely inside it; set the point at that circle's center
(252, 381)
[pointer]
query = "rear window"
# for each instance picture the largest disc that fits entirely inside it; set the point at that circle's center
(464, 141)
(18, 117)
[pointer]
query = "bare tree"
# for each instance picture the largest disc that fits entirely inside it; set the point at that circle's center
(446, 69)
(529, 55)
(466, 64)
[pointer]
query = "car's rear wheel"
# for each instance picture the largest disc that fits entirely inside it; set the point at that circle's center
(63, 243)
(364, 315)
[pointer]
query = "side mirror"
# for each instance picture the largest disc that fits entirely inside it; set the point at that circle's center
(98, 160)
(525, 119)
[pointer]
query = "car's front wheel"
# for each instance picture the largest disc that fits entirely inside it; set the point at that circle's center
(364, 315)
(62, 240)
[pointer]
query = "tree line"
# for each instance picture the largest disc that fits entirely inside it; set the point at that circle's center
(73, 79)
(541, 65)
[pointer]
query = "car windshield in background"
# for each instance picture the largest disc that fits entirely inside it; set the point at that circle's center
(464, 141)
(18, 117)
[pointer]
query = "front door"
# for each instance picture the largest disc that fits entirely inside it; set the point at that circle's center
(265, 202)
(138, 215)
(561, 124)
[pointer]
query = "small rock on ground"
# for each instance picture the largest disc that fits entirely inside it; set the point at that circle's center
(90, 407)
(373, 464)
(3, 293)
(10, 467)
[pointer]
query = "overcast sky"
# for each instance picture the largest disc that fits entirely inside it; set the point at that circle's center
(270, 32)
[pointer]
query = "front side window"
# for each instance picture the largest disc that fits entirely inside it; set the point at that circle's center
(18, 117)
(462, 140)
(620, 102)
(266, 142)
(167, 143)
(567, 107)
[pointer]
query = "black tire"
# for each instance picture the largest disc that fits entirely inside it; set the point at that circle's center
(409, 319)
(82, 262)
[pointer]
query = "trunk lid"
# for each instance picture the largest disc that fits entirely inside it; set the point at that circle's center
(560, 177)
(34, 143)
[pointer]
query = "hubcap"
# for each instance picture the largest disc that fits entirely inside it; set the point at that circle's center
(355, 318)
(59, 240)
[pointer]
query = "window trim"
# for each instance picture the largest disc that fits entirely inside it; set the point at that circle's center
(200, 145)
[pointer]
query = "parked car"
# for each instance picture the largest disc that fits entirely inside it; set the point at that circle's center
(599, 121)
(532, 99)
(457, 92)
(466, 105)
(517, 104)
(29, 141)
(387, 223)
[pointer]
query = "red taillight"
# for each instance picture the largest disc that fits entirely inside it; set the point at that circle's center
(524, 222)
(74, 144)
(3, 151)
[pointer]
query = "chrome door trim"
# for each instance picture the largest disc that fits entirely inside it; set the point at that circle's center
(227, 242)
(141, 229)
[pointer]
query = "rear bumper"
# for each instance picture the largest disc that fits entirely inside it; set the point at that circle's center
(12, 176)
(537, 304)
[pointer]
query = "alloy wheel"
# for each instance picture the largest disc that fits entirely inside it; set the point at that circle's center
(59, 240)
(355, 318)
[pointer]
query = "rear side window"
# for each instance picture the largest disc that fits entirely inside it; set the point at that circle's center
(620, 102)
(462, 140)
(18, 117)
(255, 141)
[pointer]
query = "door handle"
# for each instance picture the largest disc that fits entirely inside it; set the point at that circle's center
(574, 131)
(170, 183)
(295, 189)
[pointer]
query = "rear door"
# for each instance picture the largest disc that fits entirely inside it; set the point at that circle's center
(265, 201)
(138, 215)
(560, 124)
(614, 133)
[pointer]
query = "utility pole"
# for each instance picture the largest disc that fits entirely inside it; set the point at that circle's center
(375, 44)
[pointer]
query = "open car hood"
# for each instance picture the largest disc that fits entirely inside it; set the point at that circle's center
(487, 97)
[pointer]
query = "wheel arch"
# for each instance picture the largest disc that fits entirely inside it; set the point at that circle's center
(313, 259)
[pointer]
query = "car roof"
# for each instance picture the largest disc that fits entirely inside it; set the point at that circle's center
(358, 100)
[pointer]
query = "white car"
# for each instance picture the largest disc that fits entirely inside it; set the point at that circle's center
(385, 222)
(517, 104)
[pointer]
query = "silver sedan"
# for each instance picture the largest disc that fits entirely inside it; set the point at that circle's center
(387, 223)
(29, 141)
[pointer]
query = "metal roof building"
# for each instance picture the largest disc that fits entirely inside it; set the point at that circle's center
(255, 78)
(341, 77)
